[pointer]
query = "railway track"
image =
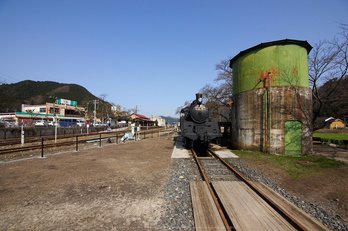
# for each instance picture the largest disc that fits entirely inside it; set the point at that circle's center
(12, 149)
(215, 171)
(48, 142)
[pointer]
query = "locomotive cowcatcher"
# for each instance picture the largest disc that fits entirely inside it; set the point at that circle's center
(196, 126)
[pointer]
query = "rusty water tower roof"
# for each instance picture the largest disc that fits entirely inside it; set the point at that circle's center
(304, 44)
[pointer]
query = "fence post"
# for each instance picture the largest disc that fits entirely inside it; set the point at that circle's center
(22, 136)
(99, 139)
(42, 146)
(77, 143)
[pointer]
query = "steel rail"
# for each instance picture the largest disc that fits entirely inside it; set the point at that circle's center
(19, 149)
(284, 214)
(14, 141)
(33, 139)
(33, 147)
(211, 191)
(90, 136)
(39, 146)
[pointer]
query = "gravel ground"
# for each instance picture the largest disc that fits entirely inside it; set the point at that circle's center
(178, 209)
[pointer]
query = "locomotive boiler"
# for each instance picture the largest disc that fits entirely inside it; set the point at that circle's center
(196, 126)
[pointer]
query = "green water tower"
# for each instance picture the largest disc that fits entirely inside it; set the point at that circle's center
(272, 101)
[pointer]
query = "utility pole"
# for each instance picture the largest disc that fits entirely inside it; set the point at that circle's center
(95, 109)
(269, 111)
(54, 119)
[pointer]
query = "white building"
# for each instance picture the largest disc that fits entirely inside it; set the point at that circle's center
(161, 121)
(48, 109)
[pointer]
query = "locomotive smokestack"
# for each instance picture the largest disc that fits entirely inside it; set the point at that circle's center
(199, 98)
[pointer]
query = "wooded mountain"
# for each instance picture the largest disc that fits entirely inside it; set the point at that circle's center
(37, 92)
(337, 106)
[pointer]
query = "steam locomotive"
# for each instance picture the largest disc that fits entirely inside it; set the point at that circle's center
(196, 126)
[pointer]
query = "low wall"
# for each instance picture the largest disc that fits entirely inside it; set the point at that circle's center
(15, 132)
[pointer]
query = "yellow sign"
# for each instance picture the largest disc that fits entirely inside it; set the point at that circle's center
(200, 108)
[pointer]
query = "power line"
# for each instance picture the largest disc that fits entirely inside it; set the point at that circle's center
(7, 76)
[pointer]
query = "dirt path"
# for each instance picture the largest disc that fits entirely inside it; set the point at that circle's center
(330, 151)
(112, 187)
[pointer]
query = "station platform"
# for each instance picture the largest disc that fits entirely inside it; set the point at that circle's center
(180, 151)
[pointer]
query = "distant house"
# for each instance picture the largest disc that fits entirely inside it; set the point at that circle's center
(122, 120)
(331, 122)
(141, 120)
(116, 120)
(337, 124)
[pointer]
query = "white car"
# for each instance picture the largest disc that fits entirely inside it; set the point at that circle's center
(41, 123)
(80, 123)
(51, 123)
(99, 124)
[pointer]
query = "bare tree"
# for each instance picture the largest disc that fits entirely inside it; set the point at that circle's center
(225, 74)
(104, 106)
(117, 111)
(218, 97)
(178, 110)
(328, 63)
(103, 96)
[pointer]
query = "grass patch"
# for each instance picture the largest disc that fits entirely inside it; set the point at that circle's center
(330, 136)
(288, 163)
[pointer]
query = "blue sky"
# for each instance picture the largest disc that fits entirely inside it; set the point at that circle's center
(153, 54)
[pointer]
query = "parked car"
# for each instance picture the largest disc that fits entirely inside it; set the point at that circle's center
(51, 123)
(99, 124)
(80, 123)
(8, 123)
(88, 122)
(41, 123)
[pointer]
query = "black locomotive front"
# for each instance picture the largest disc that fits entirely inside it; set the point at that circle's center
(195, 124)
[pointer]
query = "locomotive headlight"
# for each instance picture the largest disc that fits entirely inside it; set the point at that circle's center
(199, 98)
